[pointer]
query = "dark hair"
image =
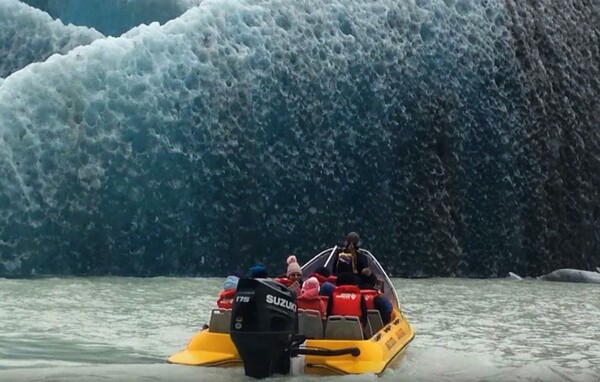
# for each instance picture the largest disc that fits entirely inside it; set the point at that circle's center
(367, 282)
(353, 238)
(323, 271)
(237, 273)
(343, 267)
(346, 278)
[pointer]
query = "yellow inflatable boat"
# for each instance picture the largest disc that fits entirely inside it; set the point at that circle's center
(266, 334)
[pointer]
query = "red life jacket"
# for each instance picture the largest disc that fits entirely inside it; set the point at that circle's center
(319, 277)
(346, 301)
(317, 304)
(225, 300)
(285, 281)
(369, 295)
(288, 283)
(322, 279)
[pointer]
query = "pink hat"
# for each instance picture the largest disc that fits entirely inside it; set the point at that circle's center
(293, 266)
(310, 288)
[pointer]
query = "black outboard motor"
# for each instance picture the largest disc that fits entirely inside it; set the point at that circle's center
(263, 322)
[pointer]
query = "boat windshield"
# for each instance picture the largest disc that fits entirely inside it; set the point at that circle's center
(327, 257)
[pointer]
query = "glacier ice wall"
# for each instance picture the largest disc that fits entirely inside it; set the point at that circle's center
(113, 17)
(28, 36)
(458, 137)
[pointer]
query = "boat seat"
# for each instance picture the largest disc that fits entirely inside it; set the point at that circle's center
(375, 320)
(310, 323)
(367, 331)
(219, 320)
(343, 328)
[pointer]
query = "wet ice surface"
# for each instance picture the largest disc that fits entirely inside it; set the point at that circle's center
(440, 127)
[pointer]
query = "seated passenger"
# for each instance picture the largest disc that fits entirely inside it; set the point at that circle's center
(324, 275)
(258, 271)
(346, 299)
(309, 297)
(321, 274)
(293, 277)
(225, 299)
(373, 298)
(326, 289)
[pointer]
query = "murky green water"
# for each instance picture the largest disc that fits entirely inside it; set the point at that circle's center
(113, 329)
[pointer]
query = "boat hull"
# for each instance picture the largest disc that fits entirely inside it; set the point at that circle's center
(376, 353)
(319, 356)
(208, 349)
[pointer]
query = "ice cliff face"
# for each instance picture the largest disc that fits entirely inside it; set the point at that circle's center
(113, 17)
(458, 137)
(29, 36)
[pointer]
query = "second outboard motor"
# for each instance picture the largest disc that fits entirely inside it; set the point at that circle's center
(263, 321)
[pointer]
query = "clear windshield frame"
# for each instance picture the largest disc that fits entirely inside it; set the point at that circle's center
(325, 259)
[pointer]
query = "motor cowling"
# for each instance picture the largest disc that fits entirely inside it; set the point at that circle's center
(263, 322)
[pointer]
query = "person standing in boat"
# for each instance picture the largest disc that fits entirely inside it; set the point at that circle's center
(350, 259)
